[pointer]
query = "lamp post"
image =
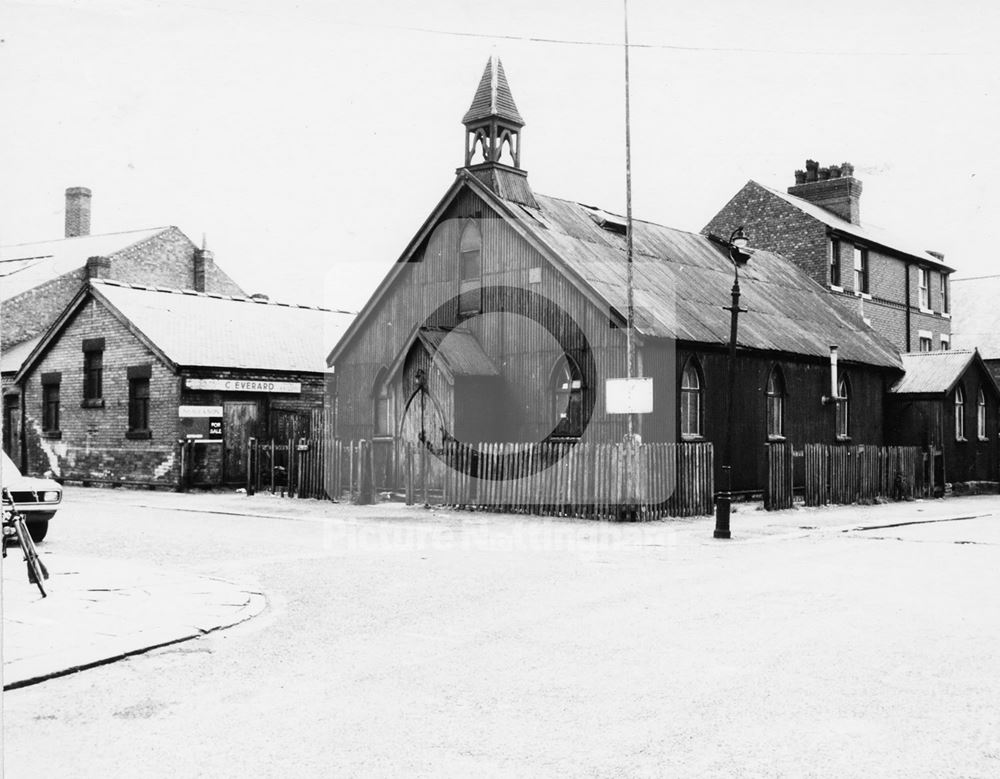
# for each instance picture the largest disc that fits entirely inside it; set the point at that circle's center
(737, 242)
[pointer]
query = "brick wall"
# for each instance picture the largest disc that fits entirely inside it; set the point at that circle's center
(773, 224)
(93, 445)
(30, 313)
(167, 260)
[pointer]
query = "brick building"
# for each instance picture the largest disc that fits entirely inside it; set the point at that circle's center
(38, 280)
(899, 289)
(131, 383)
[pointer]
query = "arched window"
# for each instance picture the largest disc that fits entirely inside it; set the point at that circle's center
(692, 387)
(775, 404)
(470, 270)
(380, 405)
(981, 415)
(566, 390)
(959, 413)
(843, 408)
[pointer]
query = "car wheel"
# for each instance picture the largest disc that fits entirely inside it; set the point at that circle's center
(37, 530)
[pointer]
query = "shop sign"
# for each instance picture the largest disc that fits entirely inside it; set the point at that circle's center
(197, 412)
(244, 385)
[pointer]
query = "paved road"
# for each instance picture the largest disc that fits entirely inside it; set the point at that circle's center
(461, 644)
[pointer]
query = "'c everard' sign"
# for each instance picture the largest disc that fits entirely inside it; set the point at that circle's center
(244, 385)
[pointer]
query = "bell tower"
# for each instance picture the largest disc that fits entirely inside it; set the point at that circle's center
(493, 137)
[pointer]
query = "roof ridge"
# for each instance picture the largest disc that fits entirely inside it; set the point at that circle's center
(90, 235)
(692, 233)
(214, 296)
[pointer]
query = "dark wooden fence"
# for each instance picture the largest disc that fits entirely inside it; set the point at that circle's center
(779, 489)
(840, 474)
(574, 480)
(609, 481)
(296, 468)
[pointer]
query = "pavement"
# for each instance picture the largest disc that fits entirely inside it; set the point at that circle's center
(100, 610)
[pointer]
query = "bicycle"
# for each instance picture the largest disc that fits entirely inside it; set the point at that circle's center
(15, 531)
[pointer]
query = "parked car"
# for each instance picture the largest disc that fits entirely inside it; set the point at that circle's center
(36, 498)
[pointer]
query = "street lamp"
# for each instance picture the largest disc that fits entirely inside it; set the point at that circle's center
(737, 243)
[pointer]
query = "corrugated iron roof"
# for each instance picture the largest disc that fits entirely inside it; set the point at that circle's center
(976, 315)
(202, 330)
(462, 353)
(493, 96)
(683, 282)
(932, 372)
(865, 232)
(25, 266)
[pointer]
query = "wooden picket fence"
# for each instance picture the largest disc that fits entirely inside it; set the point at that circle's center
(840, 474)
(779, 490)
(603, 481)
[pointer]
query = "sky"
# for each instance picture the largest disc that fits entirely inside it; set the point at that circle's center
(308, 141)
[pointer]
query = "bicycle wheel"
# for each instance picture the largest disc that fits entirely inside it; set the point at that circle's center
(37, 573)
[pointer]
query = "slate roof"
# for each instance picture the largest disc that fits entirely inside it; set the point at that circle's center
(25, 266)
(11, 358)
(976, 315)
(865, 232)
(207, 330)
(493, 96)
(683, 282)
(933, 372)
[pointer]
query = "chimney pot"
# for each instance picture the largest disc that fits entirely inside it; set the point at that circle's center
(833, 188)
(77, 211)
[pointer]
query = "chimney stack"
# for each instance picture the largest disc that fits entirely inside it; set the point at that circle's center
(98, 267)
(77, 211)
(834, 189)
(204, 259)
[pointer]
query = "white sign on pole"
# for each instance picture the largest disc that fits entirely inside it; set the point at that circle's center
(198, 412)
(244, 385)
(629, 396)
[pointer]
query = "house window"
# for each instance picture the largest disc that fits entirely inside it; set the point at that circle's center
(944, 293)
(93, 371)
(959, 413)
(843, 408)
(380, 404)
(981, 415)
(926, 343)
(50, 403)
(945, 342)
(775, 404)
(924, 279)
(138, 404)
(834, 262)
(691, 405)
(860, 270)
(470, 270)
(567, 398)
